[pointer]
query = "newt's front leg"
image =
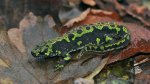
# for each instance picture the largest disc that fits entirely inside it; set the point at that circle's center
(61, 64)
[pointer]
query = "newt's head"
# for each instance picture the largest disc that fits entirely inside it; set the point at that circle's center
(43, 51)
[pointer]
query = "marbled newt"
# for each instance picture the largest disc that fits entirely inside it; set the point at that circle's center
(98, 37)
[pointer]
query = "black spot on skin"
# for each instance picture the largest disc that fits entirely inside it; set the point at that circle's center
(87, 28)
(117, 38)
(120, 26)
(62, 46)
(43, 53)
(112, 25)
(105, 27)
(79, 31)
(70, 36)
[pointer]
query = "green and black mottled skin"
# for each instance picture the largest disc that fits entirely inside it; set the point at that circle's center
(99, 37)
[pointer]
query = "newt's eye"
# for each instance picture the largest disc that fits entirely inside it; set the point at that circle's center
(87, 28)
(79, 31)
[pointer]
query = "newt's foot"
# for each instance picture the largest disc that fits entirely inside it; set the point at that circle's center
(62, 62)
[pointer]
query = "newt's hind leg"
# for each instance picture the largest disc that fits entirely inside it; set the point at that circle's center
(61, 64)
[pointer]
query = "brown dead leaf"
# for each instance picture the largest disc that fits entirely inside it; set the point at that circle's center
(139, 13)
(88, 17)
(89, 2)
(73, 2)
(19, 69)
(6, 81)
(90, 78)
(4, 64)
(77, 19)
(132, 8)
(15, 36)
(142, 78)
(29, 20)
(140, 9)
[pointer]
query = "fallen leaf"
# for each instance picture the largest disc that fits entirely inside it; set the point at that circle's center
(19, 67)
(73, 2)
(132, 8)
(119, 72)
(6, 81)
(4, 64)
(88, 17)
(77, 19)
(89, 2)
(15, 36)
(139, 13)
(142, 78)
(28, 21)
(90, 78)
